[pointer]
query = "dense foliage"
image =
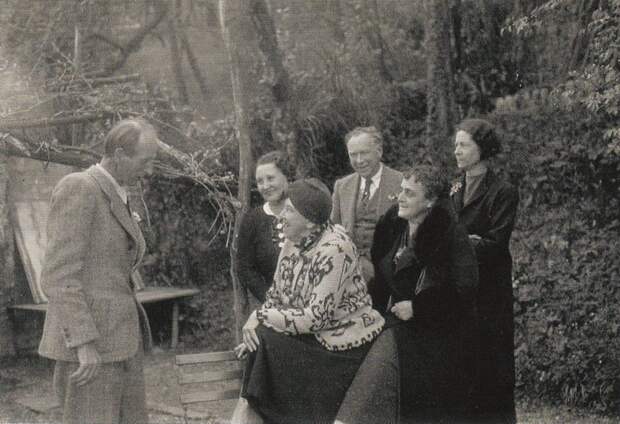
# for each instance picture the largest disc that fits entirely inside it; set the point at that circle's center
(567, 269)
(183, 253)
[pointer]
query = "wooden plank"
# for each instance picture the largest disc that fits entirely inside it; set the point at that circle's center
(157, 294)
(197, 358)
(211, 376)
(149, 295)
(30, 307)
(210, 396)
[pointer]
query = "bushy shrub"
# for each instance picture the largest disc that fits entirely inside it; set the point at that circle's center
(566, 262)
(184, 251)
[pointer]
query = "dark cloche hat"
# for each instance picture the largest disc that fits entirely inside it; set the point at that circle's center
(312, 199)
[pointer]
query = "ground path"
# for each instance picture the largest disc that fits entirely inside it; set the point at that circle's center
(25, 387)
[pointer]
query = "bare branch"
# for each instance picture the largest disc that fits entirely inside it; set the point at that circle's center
(135, 42)
(94, 82)
(193, 64)
(107, 40)
(50, 122)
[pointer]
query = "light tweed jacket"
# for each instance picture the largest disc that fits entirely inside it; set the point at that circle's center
(346, 189)
(94, 245)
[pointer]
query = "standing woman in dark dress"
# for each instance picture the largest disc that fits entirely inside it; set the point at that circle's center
(420, 369)
(487, 206)
(259, 238)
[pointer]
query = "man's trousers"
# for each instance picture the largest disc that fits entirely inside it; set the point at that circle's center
(115, 396)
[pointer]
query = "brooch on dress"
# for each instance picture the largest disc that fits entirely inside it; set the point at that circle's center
(456, 187)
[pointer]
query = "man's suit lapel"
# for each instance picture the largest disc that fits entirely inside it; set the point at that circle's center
(351, 190)
(121, 213)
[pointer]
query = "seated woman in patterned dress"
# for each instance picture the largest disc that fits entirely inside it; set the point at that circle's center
(309, 337)
(421, 369)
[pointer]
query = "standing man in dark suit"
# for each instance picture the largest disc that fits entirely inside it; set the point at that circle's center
(95, 329)
(361, 198)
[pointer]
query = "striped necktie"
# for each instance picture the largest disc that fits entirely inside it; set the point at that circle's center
(366, 192)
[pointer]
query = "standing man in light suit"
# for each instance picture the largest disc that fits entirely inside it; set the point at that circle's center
(95, 329)
(360, 198)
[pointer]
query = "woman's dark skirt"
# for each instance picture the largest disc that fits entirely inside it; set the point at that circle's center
(294, 379)
(406, 378)
(374, 393)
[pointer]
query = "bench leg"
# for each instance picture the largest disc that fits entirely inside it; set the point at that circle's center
(174, 338)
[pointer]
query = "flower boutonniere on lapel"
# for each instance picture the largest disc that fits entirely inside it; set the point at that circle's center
(456, 187)
(136, 217)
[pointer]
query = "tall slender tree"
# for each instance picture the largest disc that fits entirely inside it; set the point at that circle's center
(175, 54)
(276, 76)
(7, 263)
(235, 22)
(441, 104)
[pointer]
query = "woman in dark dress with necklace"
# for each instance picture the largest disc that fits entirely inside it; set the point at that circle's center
(487, 207)
(260, 239)
(419, 369)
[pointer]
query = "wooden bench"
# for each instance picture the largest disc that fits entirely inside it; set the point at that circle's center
(146, 296)
(208, 377)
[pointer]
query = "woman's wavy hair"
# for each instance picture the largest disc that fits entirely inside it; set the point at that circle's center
(433, 178)
(484, 135)
(280, 160)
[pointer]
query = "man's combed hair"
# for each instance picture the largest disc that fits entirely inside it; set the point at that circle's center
(373, 132)
(433, 178)
(126, 135)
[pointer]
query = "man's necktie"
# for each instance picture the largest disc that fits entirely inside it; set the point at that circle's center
(366, 192)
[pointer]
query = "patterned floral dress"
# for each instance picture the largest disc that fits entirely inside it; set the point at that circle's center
(317, 324)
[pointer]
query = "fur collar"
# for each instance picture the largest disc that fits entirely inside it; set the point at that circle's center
(433, 236)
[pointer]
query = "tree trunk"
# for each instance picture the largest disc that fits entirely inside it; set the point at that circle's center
(375, 40)
(125, 49)
(585, 9)
(7, 263)
(441, 105)
(334, 20)
(456, 33)
(235, 22)
(175, 57)
(283, 121)
(193, 64)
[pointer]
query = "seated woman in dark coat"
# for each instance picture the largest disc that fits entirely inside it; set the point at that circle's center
(310, 336)
(421, 367)
(487, 207)
(259, 244)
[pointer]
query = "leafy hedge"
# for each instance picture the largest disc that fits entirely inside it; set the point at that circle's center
(567, 267)
(180, 255)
